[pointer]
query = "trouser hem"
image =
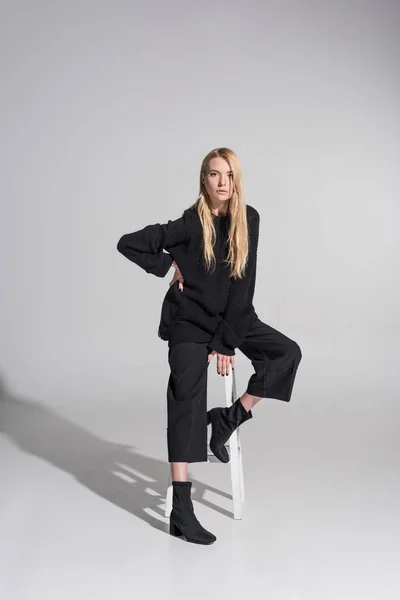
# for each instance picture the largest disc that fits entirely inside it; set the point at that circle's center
(286, 390)
(188, 459)
(265, 394)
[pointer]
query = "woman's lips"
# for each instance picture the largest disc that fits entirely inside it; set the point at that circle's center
(221, 191)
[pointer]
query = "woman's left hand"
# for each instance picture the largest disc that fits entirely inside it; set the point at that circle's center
(223, 362)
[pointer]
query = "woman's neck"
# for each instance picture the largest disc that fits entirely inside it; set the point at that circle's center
(219, 211)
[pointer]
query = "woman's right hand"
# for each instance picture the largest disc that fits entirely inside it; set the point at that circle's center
(177, 276)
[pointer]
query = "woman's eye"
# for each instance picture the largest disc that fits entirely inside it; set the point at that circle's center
(230, 175)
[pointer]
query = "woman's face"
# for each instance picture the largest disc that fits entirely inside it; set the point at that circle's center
(218, 181)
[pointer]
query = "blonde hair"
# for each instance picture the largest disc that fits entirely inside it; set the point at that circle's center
(238, 243)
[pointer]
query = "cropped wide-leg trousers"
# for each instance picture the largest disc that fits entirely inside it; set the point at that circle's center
(275, 359)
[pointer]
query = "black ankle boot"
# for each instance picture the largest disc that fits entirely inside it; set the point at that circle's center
(183, 521)
(224, 421)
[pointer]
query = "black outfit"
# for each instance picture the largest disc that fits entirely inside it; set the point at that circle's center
(212, 307)
(213, 311)
(183, 522)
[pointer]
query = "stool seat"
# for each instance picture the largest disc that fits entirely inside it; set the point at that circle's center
(234, 449)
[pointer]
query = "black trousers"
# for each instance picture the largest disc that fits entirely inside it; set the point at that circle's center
(275, 359)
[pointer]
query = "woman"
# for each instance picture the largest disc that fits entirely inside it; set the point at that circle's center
(209, 310)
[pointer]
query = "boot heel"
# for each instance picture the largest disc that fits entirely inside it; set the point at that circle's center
(174, 530)
(182, 512)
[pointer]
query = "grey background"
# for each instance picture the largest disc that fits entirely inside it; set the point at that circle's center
(107, 109)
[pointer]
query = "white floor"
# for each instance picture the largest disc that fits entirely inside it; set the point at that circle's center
(83, 491)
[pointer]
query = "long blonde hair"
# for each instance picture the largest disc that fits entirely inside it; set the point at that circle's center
(238, 243)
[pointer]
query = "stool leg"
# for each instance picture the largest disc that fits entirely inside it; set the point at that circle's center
(168, 502)
(241, 477)
(230, 395)
(239, 443)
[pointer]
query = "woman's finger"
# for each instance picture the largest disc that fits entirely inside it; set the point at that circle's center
(221, 364)
(227, 365)
(209, 357)
(224, 364)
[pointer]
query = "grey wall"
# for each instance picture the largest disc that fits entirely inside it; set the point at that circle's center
(107, 109)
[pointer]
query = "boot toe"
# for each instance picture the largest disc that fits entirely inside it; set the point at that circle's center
(222, 454)
(204, 538)
(219, 450)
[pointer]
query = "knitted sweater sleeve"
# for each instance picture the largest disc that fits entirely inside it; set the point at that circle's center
(145, 247)
(231, 330)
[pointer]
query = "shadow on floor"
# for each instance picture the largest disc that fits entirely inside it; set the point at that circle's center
(116, 472)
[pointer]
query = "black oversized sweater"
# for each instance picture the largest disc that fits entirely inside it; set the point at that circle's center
(212, 307)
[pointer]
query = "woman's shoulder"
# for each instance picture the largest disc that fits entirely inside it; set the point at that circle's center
(190, 212)
(187, 216)
(252, 213)
(192, 219)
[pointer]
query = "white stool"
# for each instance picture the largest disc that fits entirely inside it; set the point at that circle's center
(234, 450)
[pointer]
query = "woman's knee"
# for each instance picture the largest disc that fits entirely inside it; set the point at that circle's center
(295, 351)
